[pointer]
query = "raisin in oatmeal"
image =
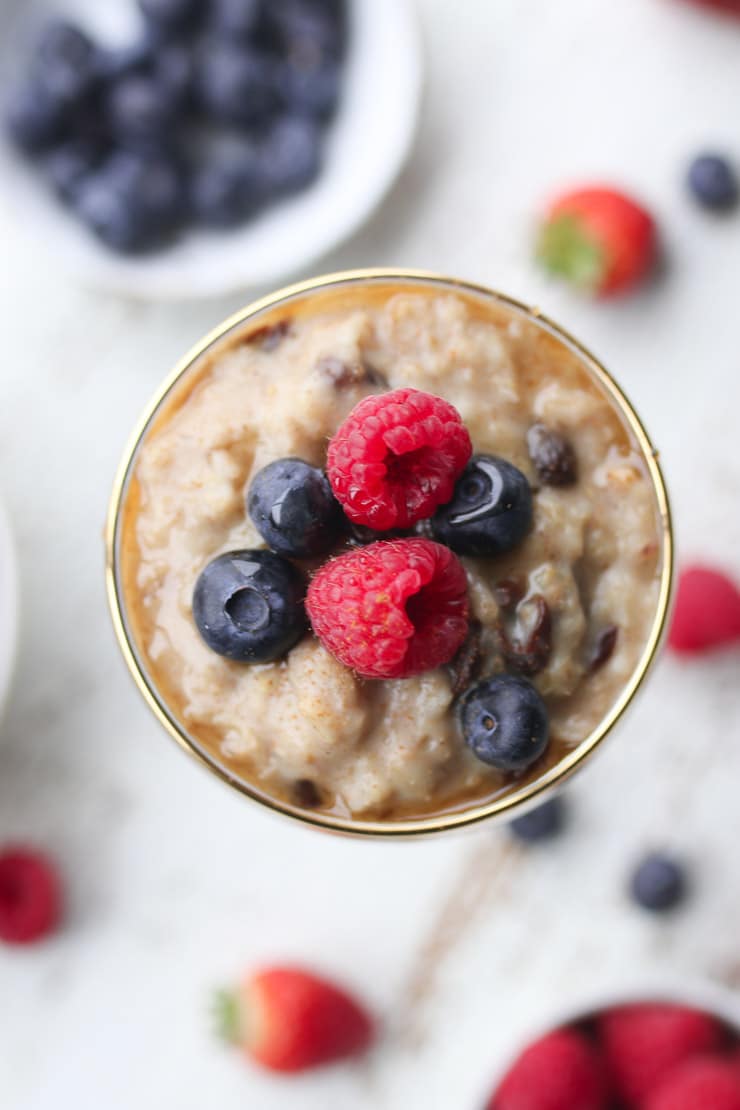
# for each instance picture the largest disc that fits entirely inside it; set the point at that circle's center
(571, 608)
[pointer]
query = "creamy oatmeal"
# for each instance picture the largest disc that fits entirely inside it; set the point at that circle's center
(572, 607)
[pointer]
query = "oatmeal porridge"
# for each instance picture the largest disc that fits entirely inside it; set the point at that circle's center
(570, 609)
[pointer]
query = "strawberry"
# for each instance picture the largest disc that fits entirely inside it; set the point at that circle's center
(706, 1083)
(644, 1043)
(707, 611)
(599, 239)
(289, 1020)
(561, 1071)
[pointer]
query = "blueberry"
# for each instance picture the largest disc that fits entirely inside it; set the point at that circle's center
(713, 182)
(133, 202)
(34, 119)
(136, 57)
(142, 111)
(237, 85)
(291, 155)
(171, 15)
(309, 33)
(238, 18)
(542, 823)
(175, 69)
(66, 62)
(504, 721)
(658, 883)
(490, 511)
(69, 165)
(226, 191)
(313, 89)
(248, 606)
(292, 506)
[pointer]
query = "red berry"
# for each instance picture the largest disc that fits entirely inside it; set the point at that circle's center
(599, 239)
(644, 1043)
(391, 609)
(396, 458)
(288, 1020)
(707, 612)
(562, 1071)
(30, 896)
(731, 6)
(702, 1084)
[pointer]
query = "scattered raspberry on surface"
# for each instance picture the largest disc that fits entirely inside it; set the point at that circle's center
(707, 611)
(30, 896)
(561, 1071)
(392, 609)
(288, 1019)
(703, 1084)
(396, 458)
(644, 1043)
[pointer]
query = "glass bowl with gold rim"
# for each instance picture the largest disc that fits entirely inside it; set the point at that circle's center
(304, 736)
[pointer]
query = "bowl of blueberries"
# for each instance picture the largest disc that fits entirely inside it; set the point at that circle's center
(189, 148)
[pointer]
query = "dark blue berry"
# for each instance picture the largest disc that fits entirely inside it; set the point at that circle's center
(237, 85)
(504, 721)
(66, 62)
(136, 57)
(291, 156)
(542, 823)
(713, 182)
(34, 119)
(292, 506)
(313, 89)
(490, 511)
(175, 69)
(658, 883)
(226, 191)
(309, 33)
(236, 18)
(142, 111)
(69, 165)
(248, 606)
(133, 202)
(171, 15)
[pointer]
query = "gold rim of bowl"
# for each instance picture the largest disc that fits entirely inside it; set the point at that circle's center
(507, 805)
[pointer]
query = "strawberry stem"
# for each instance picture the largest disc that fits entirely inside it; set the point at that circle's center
(226, 1012)
(568, 251)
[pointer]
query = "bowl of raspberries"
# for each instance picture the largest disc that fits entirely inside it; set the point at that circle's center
(185, 148)
(662, 1048)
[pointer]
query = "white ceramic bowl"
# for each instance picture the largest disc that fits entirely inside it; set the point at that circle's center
(8, 607)
(367, 145)
(700, 994)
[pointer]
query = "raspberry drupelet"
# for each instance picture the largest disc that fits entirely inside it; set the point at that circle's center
(392, 609)
(396, 458)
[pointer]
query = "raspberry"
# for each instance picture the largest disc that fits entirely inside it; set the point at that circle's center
(701, 1084)
(396, 458)
(707, 612)
(30, 896)
(391, 609)
(561, 1071)
(644, 1043)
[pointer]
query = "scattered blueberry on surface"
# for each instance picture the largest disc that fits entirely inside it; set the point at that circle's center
(248, 606)
(504, 721)
(543, 823)
(658, 883)
(293, 508)
(291, 156)
(490, 511)
(713, 182)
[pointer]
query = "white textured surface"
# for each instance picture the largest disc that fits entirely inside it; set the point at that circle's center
(175, 883)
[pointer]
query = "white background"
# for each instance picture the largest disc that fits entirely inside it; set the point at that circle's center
(174, 883)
